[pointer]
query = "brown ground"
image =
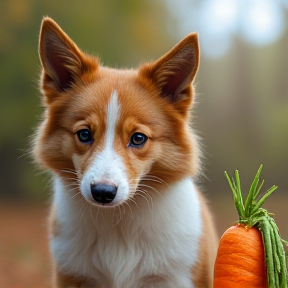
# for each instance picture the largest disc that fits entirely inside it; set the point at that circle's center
(24, 257)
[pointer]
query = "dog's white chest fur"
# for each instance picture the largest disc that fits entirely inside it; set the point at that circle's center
(151, 244)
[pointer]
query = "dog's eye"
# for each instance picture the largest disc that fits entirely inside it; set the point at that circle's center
(84, 135)
(138, 140)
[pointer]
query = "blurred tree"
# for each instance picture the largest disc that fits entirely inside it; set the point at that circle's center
(244, 112)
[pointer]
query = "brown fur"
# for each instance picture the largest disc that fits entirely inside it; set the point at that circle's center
(76, 91)
(203, 270)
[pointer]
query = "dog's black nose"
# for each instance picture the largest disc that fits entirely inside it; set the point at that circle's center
(103, 193)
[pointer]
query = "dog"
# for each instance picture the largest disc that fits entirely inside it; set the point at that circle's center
(123, 156)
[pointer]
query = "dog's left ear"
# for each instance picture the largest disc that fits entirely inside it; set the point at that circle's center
(173, 73)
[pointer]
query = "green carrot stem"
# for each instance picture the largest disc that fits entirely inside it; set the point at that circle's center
(281, 256)
(239, 193)
(253, 188)
(264, 198)
(239, 207)
(268, 253)
(258, 191)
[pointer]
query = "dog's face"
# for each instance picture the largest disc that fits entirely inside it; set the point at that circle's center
(114, 133)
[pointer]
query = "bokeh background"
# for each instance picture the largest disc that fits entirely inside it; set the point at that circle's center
(241, 112)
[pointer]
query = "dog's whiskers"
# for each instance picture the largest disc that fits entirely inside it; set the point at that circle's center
(74, 179)
(72, 185)
(141, 185)
(125, 202)
(72, 189)
(76, 194)
(69, 171)
(143, 194)
(73, 172)
(152, 180)
(133, 201)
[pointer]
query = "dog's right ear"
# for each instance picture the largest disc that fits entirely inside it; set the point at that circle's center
(62, 61)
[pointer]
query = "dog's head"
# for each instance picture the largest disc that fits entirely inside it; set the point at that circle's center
(114, 133)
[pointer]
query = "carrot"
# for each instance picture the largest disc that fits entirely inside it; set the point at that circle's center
(233, 267)
(251, 253)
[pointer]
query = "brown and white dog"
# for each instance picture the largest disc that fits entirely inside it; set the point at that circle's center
(125, 213)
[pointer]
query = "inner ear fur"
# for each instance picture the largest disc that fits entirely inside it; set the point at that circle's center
(62, 61)
(173, 73)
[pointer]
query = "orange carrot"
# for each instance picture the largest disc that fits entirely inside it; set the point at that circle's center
(251, 253)
(240, 259)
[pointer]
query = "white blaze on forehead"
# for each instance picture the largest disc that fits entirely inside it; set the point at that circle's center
(108, 166)
(113, 111)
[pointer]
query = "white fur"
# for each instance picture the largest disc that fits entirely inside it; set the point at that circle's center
(113, 111)
(107, 165)
(130, 247)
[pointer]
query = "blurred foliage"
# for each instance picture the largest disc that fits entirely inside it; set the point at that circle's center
(243, 115)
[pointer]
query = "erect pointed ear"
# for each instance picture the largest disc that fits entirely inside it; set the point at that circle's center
(62, 61)
(174, 72)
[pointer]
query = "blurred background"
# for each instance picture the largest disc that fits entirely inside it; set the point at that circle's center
(241, 114)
